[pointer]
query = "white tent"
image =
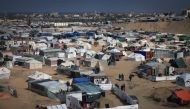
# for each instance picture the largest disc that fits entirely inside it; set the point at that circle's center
(71, 52)
(61, 106)
(39, 76)
(112, 43)
(61, 55)
(102, 65)
(123, 44)
(99, 36)
(114, 50)
(136, 57)
(66, 41)
(142, 42)
(79, 42)
(90, 62)
(89, 54)
(67, 64)
(81, 52)
(183, 80)
(71, 49)
(91, 41)
(106, 57)
(33, 64)
(136, 45)
(4, 73)
(38, 45)
(124, 53)
(146, 49)
(87, 46)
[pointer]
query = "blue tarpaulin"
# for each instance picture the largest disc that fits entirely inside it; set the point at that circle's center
(81, 80)
(69, 35)
(72, 34)
(76, 33)
(90, 33)
(142, 53)
(45, 34)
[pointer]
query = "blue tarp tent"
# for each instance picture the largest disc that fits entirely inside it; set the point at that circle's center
(141, 52)
(76, 33)
(90, 33)
(81, 80)
(72, 34)
(44, 34)
(68, 35)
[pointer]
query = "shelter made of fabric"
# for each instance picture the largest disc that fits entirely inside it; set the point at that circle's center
(182, 94)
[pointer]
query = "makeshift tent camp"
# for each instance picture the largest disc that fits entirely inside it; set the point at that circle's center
(99, 55)
(81, 52)
(102, 65)
(40, 46)
(114, 50)
(89, 54)
(92, 92)
(39, 76)
(90, 62)
(4, 73)
(136, 57)
(81, 80)
(33, 64)
(90, 34)
(61, 106)
(47, 87)
(73, 100)
(50, 52)
(51, 61)
(122, 44)
(85, 45)
(146, 54)
(71, 52)
(106, 57)
(183, 80)
(101, 80)
(178, 63)
(67, 64)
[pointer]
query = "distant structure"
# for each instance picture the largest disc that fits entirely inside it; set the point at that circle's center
(188, 13)
(54, 14)
(29, 21)
(5, 17)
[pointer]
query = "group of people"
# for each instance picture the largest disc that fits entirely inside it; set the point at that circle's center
(122, 87)
(121, 77)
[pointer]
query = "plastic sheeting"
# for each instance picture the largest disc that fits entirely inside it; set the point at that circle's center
(81, 80)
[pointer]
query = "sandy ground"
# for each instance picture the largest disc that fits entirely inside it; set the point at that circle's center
(26, 99)
(142, 88)
(172, 26)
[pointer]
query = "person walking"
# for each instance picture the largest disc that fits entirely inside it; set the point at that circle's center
(130, 77)
(119, 77)
(123, 87)
(122, 77)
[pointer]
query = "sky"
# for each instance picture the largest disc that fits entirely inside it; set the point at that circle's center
(93, 5)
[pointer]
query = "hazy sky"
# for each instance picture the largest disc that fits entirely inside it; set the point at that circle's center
(92, 5)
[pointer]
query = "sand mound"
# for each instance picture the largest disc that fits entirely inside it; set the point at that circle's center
(182, 27)
(161, 94)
